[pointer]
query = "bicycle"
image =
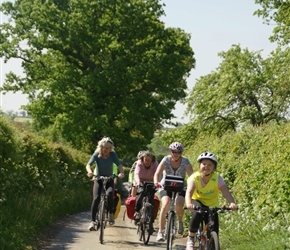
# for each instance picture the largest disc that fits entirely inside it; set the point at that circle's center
(174, 184)
(207, 237)
(102, 214)
(145, 225)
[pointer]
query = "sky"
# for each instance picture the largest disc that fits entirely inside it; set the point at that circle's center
(214, 26)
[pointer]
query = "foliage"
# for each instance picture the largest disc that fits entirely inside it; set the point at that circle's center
(276, 11)
(158, 148)
(244, 90)
(254, 162)
(184, 134)
(96, 68)
(40, 181)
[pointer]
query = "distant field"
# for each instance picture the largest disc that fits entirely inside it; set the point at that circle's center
(23, 119)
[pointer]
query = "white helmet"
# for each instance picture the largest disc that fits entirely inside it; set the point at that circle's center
(176, 146)
(207, 155)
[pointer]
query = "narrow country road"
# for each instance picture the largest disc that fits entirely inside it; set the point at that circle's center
(72, 233)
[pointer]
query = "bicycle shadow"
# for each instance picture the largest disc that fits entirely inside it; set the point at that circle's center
(150, 245)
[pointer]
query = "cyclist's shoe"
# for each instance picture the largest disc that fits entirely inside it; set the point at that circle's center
(190, 243)
(92, 226)
(180, 227)
(160, 237)
(111, 219)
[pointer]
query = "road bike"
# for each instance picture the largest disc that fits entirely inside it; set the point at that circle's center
(207, 237)
(102, 214)
(174, 184)
(145, 225)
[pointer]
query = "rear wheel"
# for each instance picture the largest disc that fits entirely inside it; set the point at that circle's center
(170, 231)
(213, 243)
(102, 220)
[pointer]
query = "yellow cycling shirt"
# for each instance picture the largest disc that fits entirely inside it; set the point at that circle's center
(207, 195)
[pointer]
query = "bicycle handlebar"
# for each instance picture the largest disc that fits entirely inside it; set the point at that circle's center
(213, 209)
(98, 177)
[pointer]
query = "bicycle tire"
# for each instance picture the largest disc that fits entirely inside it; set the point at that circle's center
(102, 221)
(213, 243)
(170, 230)
(140, 231)
(146, 223)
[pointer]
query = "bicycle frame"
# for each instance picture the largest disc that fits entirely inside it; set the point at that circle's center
(206, 235)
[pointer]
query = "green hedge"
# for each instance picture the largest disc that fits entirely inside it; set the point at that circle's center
(40, 181)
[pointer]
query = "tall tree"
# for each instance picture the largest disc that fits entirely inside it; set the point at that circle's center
(97, 68)
(276, 12)
(245, 89)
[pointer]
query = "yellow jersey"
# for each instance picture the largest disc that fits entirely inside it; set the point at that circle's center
(207, 195)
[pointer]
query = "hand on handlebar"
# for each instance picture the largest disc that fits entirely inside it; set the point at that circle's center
(233, 206)
(157, 185)
(191, 207)
(90, 175)
(121, 175)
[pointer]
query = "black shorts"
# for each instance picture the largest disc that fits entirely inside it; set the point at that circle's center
(163, 193)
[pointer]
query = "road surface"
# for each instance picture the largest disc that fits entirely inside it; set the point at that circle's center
(71, 233)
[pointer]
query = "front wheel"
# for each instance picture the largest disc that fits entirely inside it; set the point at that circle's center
(170, 231)
(102, 221)
(213, 243)
(147, 223)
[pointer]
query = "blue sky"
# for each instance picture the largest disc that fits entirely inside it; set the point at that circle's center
(214, 26)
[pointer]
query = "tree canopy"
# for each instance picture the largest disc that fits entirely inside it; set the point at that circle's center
(97, 68)
(244, 89)
(278, 12)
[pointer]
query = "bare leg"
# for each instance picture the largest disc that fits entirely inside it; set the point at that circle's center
(164, 209)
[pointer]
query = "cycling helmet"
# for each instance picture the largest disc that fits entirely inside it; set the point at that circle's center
(176, 146)
(207, 155)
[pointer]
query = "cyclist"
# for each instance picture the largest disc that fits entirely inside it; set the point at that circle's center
(145, 169)
(173, 164)
(104, 156)
(203, 191)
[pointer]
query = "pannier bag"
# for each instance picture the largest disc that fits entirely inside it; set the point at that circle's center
(130, 203)
(173, 183)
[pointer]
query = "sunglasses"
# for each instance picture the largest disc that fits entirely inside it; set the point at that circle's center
(175, 152)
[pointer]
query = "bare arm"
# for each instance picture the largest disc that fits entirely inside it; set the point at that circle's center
(136, 174)
(189, 170)
(189, 193)
(121, 172)
(89, 171)
(228, 196)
